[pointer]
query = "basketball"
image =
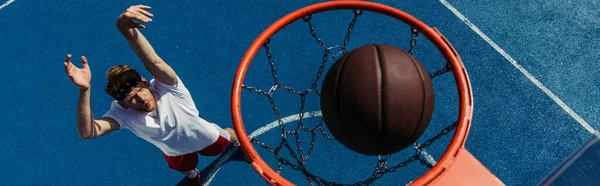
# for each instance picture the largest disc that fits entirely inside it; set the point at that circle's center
(377, 99)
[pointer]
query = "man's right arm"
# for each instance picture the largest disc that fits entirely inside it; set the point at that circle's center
(87, 127)
(141, 46)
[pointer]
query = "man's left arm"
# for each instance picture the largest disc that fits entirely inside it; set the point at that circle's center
(140, 45)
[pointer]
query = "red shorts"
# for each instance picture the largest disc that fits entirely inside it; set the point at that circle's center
(188, 162)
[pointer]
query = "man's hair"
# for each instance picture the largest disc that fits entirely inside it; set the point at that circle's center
(117, 76)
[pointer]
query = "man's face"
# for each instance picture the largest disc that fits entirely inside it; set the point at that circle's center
(140, 98)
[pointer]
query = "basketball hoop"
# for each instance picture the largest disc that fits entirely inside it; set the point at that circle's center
(455, 159)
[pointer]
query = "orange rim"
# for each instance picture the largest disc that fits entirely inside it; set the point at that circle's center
(458, 69)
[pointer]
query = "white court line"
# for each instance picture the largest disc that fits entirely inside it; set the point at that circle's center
(286, 120)
(537, 83)
(6, 4)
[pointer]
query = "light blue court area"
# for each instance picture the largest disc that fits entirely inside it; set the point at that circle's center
(533, 67)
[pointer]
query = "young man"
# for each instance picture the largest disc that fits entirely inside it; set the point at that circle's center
(160, 111)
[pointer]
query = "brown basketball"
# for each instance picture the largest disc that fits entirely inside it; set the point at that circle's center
(377, 99)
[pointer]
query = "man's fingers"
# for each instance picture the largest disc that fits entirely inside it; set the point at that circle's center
(84, 62)
(68, 58)
(137, 16)
(146, 13)
(69, 68)
(66, 67)
(143, 7)
(67, 63)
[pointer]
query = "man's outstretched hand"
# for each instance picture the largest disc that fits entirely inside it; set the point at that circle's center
(79, 76)
(138, 13)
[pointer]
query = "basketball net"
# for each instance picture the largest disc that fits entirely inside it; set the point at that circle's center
(288, 151)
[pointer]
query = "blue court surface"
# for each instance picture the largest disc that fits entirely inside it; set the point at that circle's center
(533, 67)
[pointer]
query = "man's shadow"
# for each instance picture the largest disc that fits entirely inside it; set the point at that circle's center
(231, 153)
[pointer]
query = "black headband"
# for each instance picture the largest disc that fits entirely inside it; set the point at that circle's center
(125, 88)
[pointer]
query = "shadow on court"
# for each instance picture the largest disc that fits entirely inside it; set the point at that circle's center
(230, 154)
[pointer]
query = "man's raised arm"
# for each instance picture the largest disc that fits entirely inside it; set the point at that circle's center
(87, 127)
(140, 45)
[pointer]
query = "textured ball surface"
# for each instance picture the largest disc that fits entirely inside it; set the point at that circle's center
(377, 99)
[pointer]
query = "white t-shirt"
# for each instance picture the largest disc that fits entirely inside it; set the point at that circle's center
(176, 127)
